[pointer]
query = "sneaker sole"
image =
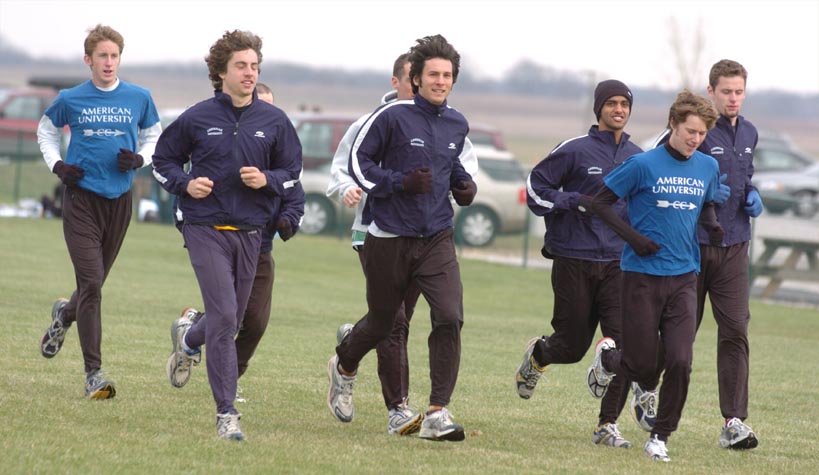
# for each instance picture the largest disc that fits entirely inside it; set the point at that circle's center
(456, 435)
(410, 428)
(750, 442)
(335, 413)
(106, 392)
(169, 371)
(60, 302)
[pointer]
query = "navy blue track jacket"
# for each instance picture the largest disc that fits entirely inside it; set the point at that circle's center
(574, 168)
(398, 138)
(217, 145)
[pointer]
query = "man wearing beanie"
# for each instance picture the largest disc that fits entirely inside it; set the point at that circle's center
(586, 253)
(724, 274)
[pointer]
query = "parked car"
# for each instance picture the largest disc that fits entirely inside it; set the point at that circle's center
(321, 132)
(787, 179)
(20, 113)
(497, 208)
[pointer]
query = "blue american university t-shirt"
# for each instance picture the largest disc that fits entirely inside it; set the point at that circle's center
(665, 197)
(101, 123)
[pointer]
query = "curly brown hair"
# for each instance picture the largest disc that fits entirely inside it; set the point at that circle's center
(223, 49)
(430, 47)
(99, 34)
(688, 103)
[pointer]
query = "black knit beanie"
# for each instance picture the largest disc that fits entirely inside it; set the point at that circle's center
(610, 88)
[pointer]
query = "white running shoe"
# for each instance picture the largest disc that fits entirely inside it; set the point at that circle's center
(737, 435)
(529, 372)
(239, 397)
(340, 394)
(655, 450)
(227, 427)
(440, 426)
(404, 421)
(597, 378)
(609, 434)
(53, 339)
(179, 364)
(644, 407)
(343, 331)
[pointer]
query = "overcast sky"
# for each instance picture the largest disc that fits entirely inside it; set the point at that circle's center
(777, 41)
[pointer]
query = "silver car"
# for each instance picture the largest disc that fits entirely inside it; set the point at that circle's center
(787, 179)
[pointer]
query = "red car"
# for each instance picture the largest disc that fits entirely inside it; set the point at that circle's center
(20, 113)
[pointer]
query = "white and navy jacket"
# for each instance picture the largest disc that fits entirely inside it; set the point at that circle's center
(398, 138)
(576, 167)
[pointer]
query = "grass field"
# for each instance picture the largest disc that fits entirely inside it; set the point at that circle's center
(151, 427)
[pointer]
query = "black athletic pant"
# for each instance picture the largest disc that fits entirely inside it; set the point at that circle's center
(659, 323)
(257, 314)
(393, 362)
(724, 277)
(587, 293)
(391, 265)
(94, 228)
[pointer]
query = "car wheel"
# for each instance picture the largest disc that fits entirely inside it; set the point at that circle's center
(476, 227)
(805, 206)
(319, 215)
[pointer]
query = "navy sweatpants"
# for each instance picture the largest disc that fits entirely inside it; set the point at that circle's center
(225, 265)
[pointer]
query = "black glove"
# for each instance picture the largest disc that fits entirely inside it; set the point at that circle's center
(418, 182)
(69, 174)
(284, 229)
(128, 160)
(715, 235)
(643, 246)
(464, 192)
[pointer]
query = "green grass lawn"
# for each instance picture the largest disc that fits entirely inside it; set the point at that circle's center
(150, 427)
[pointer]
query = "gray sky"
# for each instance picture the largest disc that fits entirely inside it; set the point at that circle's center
(777, 41)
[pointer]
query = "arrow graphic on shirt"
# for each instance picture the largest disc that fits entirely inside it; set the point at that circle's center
(675, 204)
(102, 132)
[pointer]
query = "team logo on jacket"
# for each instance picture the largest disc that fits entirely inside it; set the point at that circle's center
(259, 134)
(214, 131)
(748, 150)
(594, 171)
(417, 142)
(451, 146)
(717, 151)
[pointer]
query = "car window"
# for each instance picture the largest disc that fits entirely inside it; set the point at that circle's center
(481, 138)
(23, 108)
(770, 159)
(316, 139)
(502, 170)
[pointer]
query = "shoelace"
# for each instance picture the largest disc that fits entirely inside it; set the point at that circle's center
(230, 424)
(346, 390)
(647, 400)
(615, 431)
(659, 448)
(532, 374)
(55, 332)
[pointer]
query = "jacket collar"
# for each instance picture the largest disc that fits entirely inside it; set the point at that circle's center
(429, 107)
(227, 100)
(607, 136)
